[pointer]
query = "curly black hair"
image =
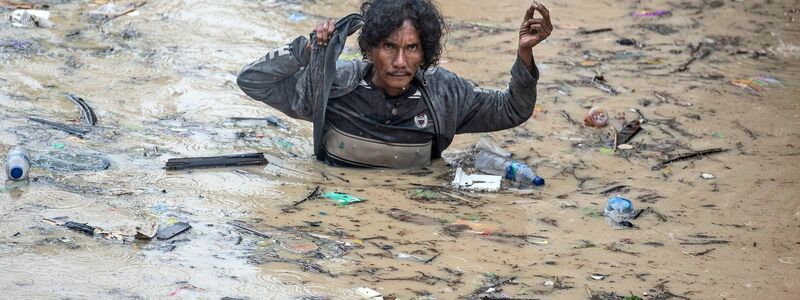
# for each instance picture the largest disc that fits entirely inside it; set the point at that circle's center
(382, 17)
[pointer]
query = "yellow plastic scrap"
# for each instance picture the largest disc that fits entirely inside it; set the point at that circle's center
(757, 83)
(480, 228)
(747, 83)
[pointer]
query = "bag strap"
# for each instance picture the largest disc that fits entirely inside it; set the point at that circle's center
(437, 122)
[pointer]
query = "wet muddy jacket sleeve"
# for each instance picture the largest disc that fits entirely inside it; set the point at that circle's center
(273, 79)
(483, 110)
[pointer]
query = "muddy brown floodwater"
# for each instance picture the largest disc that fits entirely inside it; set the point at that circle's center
(162, 82)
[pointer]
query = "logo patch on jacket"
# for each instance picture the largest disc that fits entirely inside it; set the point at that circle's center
(421, 120)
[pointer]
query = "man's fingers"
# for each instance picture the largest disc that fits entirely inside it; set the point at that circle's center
(529, 13)
(331, 26)
(548, 25)
(536, 29)
(322, 33)
(318, 32)
(325, 33)
(536, 21)
(545, 13)
(331, 29)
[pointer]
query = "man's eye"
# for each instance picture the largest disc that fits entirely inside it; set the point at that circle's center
(412, 47)
(388, 46)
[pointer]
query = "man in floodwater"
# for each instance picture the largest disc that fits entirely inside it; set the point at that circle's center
(395, 108)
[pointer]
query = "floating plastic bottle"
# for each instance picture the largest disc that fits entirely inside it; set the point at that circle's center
(596, 117)
(18, 163)
(495, 164)
(486, 144)
(619, 211)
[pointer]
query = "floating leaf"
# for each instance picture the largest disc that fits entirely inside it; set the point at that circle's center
(592, 212)
(606, 150)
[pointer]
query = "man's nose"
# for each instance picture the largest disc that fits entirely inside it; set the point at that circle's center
(399, 61)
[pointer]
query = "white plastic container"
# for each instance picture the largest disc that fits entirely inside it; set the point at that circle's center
(18, 163)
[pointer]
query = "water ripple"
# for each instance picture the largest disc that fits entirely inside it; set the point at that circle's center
(178, 183)
(50, 198)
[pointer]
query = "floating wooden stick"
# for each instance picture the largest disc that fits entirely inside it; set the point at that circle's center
(216, 161)
(238, 224)
(700, 153)
(78, 131)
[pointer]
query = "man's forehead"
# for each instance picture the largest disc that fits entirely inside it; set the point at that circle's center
(406, 33)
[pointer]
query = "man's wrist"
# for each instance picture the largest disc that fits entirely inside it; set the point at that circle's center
(525, 55)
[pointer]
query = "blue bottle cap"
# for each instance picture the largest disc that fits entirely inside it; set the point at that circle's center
(620, 204)
(16, 173)
(538, 181)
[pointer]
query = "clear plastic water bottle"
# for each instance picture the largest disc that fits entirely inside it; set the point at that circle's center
(619, 211)
(18, 163)
(486, 144)
(493, 163)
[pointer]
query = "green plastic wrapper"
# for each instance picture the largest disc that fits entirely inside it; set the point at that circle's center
(342, 199)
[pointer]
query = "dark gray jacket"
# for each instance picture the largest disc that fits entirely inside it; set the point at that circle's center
(298, 82)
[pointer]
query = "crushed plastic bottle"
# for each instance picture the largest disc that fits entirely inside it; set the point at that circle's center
(18, 163)
(495, 164)
(486, 144)
(619, 211)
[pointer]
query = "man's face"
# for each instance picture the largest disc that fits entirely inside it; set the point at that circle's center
(396, 59)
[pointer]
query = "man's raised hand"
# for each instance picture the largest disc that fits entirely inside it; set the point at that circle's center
(534, 30)
(324, 32)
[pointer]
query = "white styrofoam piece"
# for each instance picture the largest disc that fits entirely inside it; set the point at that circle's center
(368, 294)
(483, 183)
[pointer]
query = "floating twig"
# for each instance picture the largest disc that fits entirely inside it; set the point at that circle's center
(127, 11)
(523, 237)
(237, 224)
(593, 31)
(674, 126)
(709, 242)
(685, 66)
(311, 195)
(750, 133)
(307, 266)
(600, 85)
(615, 189)
(701, 253)
(431, 259)
(423, 278)
(334, 175)
(568, 117)
(613, 247)
(642, 118)
(493, 285)
(686, 156)
(628, 131)
(88, 116)
(661, 217)
(77, 131)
